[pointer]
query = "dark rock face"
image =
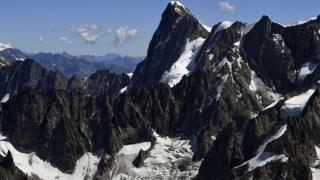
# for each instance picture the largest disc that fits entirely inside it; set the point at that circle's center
(138, 162)
(239, 71)
(177, 27)
(60, 126)
(23, 74)
(6, 60)
(50, 124)
(104, 82)
(239, 142)
(28, 73)
(275, 52)
(8, 170)
(303, 41)
(265, 50)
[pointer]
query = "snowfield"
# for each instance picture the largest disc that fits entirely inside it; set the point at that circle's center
(184, 65)
(162, 163)
(31, 164)
(4, 46)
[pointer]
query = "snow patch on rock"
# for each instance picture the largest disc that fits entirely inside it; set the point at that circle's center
(300, 22)
(273, 104)
(221, 86)
(306, 69)
(206, 27)
(184, 65)
(5, 98)
(222, 26)
(178, 3)
(262, 157)
(123, 89)
(130, 74)
(295, 105)
(252, 85)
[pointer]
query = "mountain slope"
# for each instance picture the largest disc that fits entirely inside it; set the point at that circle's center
(238, 102)
(178, 31)
(21, 75)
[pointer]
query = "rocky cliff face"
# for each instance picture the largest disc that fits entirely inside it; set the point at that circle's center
(25, 74)
(6, 60)
(104, 82)
(177, 28)
(265, 145)
(238, 102)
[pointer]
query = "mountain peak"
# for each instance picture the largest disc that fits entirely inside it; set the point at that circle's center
(176, 3)
(4, 46)
(265, 18)
(178, 7)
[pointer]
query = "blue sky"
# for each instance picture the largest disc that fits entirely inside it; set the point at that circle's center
(123, 26)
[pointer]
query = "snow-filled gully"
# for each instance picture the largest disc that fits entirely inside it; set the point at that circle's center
(292, 107)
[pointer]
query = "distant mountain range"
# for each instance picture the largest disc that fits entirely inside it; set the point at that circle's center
(69, 65)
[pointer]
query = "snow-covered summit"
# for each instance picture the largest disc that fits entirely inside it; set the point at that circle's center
(177, 3)
(223, 25)
(4, 46)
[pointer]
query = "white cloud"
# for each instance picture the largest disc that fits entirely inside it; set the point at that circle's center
(225, 6)
(87, 33)
(65, 40)
(94, 27)
(124, 34)
(41, 39)
(89, 38)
